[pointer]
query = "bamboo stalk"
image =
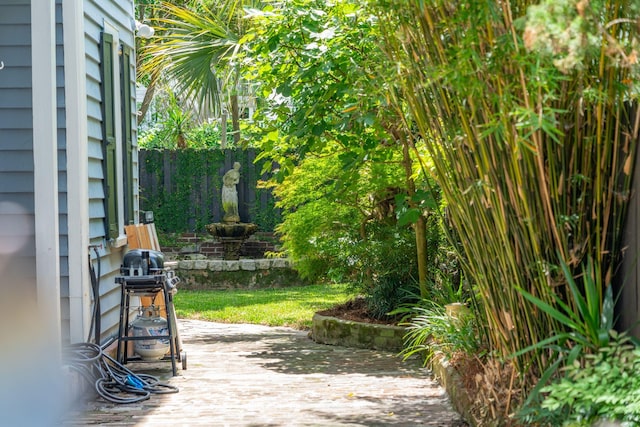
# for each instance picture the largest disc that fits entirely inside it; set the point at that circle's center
(529, 159)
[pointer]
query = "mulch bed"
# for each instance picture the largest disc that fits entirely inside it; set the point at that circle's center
(356, 310)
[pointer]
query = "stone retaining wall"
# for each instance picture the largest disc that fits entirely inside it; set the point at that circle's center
(230, 274)
(450, 379)
(334, 331)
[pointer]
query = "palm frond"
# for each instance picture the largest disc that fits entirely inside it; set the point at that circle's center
(194, 49)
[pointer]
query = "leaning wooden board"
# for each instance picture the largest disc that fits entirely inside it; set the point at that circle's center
(142, 236)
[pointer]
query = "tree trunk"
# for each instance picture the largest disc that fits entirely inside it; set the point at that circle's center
(148, 96)
(401, 136)
(223, 130)
(235, 119)
(420, 227)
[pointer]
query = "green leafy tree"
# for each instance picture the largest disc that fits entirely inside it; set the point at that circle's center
(325, 220)
(324, 86)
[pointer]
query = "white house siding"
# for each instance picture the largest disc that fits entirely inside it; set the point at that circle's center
(17, 156)
(62, 176)
(45, 166)
(16, 142)
(117, 13)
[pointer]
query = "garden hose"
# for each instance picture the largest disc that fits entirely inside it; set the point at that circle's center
(112, 381)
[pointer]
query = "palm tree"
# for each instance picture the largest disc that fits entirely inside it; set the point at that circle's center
(196, 50)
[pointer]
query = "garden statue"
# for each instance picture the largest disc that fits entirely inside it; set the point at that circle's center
(230, 194)
(231, 232)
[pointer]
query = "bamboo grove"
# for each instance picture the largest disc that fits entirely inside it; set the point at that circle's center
(528, 112)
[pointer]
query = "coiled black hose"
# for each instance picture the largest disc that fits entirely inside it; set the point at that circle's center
(112, 381)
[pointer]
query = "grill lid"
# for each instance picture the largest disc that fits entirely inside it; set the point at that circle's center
(145, 259)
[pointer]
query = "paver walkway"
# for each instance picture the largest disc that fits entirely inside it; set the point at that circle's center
(251, 375)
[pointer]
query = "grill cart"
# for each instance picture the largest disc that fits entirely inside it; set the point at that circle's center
(154, 337)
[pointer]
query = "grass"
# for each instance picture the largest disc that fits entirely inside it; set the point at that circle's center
(292, 306)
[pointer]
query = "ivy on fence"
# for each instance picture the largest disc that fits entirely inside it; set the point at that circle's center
(183, 188)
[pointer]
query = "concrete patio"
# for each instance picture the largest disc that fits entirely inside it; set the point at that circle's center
(251, 375)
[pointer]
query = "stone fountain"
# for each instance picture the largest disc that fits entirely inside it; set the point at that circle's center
(231, 232)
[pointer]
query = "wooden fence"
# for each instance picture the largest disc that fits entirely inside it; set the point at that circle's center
(183, 188)
(627, 289)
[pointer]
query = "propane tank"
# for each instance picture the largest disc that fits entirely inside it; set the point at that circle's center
(149, 323)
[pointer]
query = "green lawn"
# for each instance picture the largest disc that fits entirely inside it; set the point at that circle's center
(292, 306)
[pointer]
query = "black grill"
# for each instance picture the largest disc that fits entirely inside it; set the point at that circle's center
(142, 262)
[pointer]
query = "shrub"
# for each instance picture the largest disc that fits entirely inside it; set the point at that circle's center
(431, 330)
(603, 386)
(390, 276)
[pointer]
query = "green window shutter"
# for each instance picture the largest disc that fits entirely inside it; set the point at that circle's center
(109, 136)
(127, 139)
